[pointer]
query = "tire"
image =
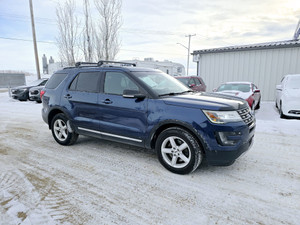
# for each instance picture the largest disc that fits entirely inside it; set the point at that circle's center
(60, 130)
(258, 105)
(178, 151)
(280, 112)
(252, 106)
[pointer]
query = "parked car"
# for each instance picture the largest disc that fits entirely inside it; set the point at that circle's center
(34, 93)
(147, 108)
(244, 90)
(22, 92)
(288, 96)
(194, 82)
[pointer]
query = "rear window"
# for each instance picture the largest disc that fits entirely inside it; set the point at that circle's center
(55, 80)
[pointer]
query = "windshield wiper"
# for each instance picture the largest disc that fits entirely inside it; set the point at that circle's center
(175, 93)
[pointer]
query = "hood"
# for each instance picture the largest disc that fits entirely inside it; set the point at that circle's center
(243, 95)
(208, 101)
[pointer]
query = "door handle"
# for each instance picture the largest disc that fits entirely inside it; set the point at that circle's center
(67, 96)
(107, 101)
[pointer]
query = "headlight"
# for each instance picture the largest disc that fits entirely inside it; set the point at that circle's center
(222, 116)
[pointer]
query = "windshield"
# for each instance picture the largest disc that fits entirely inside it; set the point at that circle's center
(36, 82)
(234, 87)
(293, 82)
(161, 83)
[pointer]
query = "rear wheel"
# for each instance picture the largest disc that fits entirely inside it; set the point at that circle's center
(60, 130)
(178, 151)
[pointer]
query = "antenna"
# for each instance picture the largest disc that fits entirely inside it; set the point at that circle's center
(297, 32)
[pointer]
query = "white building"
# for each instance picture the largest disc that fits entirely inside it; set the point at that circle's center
(174, 69)
(263, 64)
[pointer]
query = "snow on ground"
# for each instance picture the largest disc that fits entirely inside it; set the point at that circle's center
(101, 182)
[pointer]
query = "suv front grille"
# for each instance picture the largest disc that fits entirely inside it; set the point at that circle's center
(247, 116)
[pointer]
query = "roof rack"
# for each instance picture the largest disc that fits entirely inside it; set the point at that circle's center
(78, 64)
(102, 62)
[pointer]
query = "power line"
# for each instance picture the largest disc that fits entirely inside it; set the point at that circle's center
(52, 42)
(20, 39)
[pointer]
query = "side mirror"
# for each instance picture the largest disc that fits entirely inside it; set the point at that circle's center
(279, 87)
(133, 94)
(192, 85)
(215, 89)
(256, 91)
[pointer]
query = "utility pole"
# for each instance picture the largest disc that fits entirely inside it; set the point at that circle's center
(188, 55)
(34, 41)
(188, 58)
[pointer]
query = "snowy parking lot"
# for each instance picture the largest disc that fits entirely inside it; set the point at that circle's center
(102, 182)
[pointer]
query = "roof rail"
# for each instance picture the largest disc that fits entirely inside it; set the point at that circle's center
(102, 62)
(78, 64)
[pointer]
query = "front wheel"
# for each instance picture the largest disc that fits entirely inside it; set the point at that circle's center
(258, 105)
(60, 130)
(281, 112)
(178, 151)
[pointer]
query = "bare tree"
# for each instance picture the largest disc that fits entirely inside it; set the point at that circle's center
(88, 34)
(107, 40)
(68, 32)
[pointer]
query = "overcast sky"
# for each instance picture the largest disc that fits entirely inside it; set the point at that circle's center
(151, 28)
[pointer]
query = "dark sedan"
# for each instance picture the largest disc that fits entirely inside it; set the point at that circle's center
(22, 92)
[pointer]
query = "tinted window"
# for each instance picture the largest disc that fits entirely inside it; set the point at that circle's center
(192, 81)
(197, 82)
(86, 82)
(55, 80)
(116, 83)
(183, 80)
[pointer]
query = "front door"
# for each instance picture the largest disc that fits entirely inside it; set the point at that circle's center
(122, 119)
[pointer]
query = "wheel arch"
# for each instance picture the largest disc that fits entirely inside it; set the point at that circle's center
(54, 112)
(158, 129)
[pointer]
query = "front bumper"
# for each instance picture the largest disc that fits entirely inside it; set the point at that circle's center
(220, 154)
(20, 96)
(291, 108)
(225, 158)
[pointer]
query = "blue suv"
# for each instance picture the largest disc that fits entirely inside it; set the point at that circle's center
(147, 108)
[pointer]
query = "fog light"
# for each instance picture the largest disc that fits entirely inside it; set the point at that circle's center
(228, 138)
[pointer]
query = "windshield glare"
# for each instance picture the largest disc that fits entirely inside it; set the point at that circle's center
(161, 83)
(234, 87)
(293, 82)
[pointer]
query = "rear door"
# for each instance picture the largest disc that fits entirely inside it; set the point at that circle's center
(123, 119)
(82, 100)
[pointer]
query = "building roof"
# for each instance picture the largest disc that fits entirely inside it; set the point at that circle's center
(259, 46)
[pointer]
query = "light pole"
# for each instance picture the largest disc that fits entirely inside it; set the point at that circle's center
(188, 48)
